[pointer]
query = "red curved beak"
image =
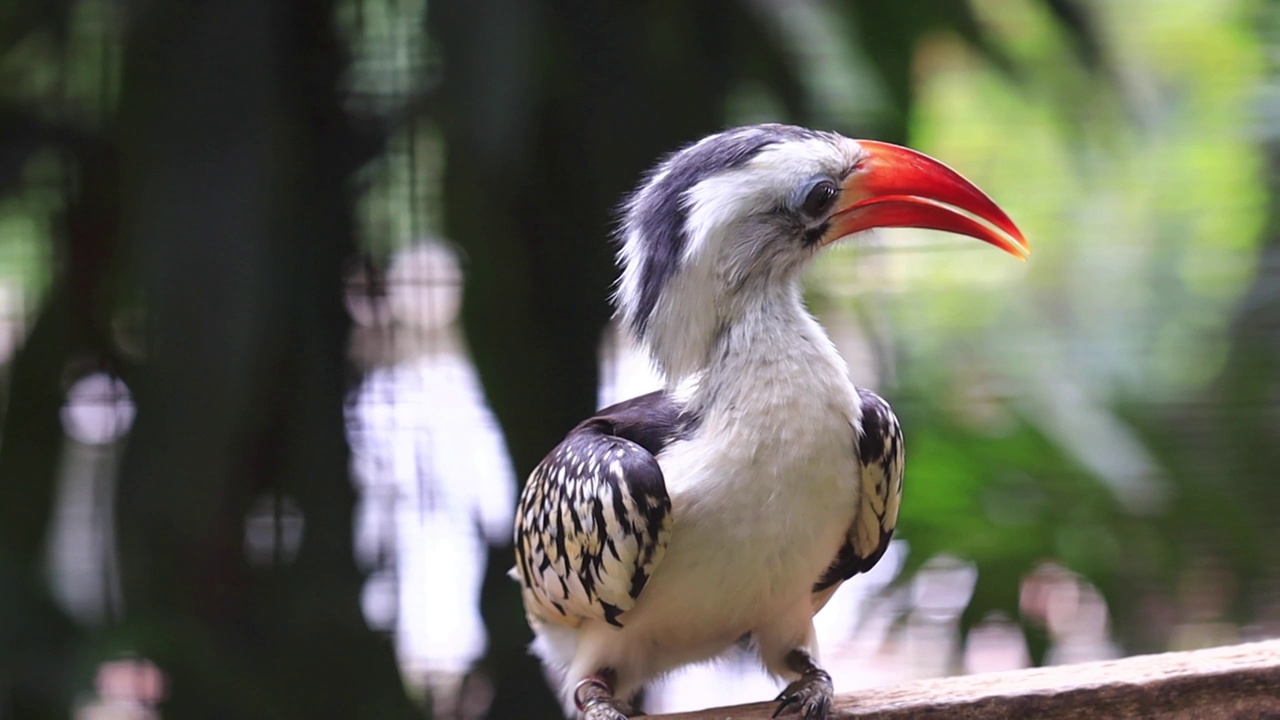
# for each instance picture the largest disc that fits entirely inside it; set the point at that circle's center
(894, 186)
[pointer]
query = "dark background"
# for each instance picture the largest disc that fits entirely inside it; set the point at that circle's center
(221, 243)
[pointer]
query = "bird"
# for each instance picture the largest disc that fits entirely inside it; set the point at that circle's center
(726, 508)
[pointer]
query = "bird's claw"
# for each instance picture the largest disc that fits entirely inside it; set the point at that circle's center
(603, 711)
(594, 698)
(811, 694)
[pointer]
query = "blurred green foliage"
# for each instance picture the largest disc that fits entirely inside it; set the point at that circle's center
(1087, 409)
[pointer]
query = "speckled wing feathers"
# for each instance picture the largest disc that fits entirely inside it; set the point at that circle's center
(880, 451)
(594, 519)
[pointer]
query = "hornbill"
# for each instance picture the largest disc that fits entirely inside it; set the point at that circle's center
(730, 505)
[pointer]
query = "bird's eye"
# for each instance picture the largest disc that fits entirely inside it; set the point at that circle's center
(819, 198)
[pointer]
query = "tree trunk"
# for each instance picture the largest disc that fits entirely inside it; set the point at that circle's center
(237, 155)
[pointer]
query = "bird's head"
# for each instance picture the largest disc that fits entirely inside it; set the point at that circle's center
(723, 227)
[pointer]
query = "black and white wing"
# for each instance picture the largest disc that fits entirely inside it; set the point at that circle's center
(594, 519)
(880, 450)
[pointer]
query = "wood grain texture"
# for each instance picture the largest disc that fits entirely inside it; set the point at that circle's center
(1239, 681)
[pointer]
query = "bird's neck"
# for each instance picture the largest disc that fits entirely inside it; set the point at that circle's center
(766, 342)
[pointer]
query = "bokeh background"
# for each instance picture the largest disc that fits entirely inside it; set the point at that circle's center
(294, 292)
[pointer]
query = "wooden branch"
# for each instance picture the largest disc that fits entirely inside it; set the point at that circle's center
(1240, 681)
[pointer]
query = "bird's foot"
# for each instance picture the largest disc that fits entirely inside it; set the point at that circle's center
(604, 711)
(810, 695)
(595, 700)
